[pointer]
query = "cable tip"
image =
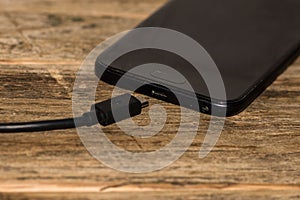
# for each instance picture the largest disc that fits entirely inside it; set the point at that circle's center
(143, 101)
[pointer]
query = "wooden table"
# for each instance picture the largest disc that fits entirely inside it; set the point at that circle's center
(42, 44)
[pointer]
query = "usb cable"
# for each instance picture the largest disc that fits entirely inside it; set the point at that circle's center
(103, 110)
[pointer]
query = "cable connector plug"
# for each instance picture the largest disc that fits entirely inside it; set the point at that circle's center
(121, 104)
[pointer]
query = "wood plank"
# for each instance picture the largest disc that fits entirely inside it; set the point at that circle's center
(258, 147)
(174, 194)
(57, 37)
(64, 30)
(115, 8)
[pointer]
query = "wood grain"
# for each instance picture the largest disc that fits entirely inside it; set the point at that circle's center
(42, 44)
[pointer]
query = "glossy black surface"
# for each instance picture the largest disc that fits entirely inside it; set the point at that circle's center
(251, 42)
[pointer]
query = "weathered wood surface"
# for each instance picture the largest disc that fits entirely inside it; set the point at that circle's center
(42, 44)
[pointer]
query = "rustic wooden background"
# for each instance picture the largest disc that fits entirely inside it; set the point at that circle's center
(42, 44)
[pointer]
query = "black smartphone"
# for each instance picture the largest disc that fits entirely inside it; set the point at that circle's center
(251, 42)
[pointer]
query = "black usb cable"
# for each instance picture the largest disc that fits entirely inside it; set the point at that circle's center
(103, 110)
